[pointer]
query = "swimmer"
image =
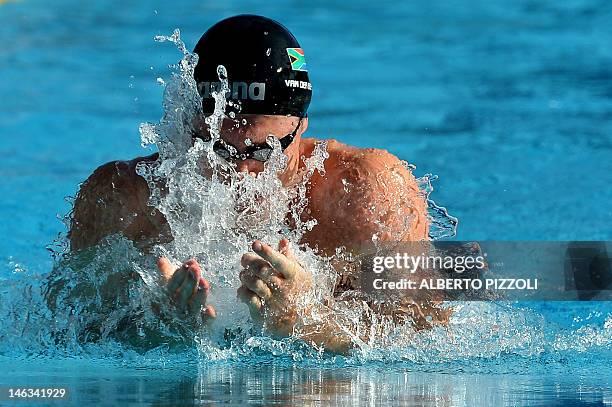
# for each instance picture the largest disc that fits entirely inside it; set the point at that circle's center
(269, 79)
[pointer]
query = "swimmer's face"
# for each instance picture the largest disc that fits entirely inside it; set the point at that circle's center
(246, 130)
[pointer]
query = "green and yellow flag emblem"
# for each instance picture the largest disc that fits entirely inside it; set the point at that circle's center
(297, 58)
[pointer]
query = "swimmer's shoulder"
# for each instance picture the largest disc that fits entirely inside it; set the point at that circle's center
(333, 146)
(113, 199)
(368, 170)
(368, 185)
(116, 179)
(356, 162)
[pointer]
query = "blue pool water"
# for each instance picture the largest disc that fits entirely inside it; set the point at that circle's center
(508, 102)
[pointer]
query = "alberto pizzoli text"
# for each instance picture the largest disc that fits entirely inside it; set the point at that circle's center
(457, 284)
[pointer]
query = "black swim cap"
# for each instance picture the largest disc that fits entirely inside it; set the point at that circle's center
(265, 66)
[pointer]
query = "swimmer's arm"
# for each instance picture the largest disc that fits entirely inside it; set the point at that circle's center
(102, 288)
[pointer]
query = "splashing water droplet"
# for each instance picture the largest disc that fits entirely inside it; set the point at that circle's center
(174, 38)
(148, 134)
(442, 224)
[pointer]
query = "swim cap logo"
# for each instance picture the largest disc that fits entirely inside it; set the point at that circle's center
(297, 58)
(238, 90)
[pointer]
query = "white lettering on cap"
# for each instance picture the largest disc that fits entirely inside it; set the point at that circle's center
(238, 90)
(292, 83)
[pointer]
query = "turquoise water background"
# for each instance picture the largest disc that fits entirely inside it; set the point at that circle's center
(508, 102)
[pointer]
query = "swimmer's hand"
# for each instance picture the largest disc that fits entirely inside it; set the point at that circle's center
(188, 289)
(271, 282)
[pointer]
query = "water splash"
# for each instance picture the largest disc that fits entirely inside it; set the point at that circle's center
(442, 224)
(213, 211)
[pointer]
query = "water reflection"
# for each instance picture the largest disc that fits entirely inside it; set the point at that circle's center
(272, 384)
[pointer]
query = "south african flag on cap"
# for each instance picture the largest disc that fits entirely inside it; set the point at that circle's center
(297, 58)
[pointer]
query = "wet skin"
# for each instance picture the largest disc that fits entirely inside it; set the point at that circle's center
(363, 192)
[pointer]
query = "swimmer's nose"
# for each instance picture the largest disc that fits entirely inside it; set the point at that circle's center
(251, 167)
